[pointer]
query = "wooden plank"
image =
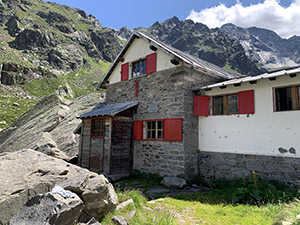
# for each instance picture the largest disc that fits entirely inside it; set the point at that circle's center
(295, 100)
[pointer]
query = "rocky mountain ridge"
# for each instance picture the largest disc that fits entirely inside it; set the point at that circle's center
(266, 46)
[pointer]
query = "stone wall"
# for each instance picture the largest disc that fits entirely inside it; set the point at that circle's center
(216, 165)
(164, 94)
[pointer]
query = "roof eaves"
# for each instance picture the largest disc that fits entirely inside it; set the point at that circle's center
(250, 78)
(96, 112)
(116, 61)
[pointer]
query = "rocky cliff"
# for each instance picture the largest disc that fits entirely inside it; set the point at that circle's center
(43, 39)
(266, 46)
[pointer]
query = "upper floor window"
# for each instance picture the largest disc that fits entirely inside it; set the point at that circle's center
(139, 68)
(97, 128)
(225, 105)
(287, 98)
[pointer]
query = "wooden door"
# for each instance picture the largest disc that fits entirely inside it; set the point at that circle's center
(122, 145)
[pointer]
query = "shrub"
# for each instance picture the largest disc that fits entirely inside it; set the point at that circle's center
(257, 191)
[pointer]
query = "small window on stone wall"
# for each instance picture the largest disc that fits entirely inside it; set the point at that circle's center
(287, 98)
(97, 128)
(154, 130)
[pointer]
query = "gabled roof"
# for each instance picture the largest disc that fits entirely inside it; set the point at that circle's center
(268, 75)
(196, 63)
(109, 110)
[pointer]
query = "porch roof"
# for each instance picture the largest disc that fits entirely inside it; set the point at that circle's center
(109, 110)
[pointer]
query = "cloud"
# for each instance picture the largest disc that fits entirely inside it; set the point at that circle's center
(285, 21)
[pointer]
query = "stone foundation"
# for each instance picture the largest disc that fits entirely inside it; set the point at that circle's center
(160, 157)
(216, 165)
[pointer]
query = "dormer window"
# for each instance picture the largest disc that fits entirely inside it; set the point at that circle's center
(139, 68)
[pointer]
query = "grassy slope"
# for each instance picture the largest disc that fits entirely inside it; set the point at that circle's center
(8, 112)
(80, 82)
(213, 207)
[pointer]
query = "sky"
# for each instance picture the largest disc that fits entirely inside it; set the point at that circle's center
(281, 16)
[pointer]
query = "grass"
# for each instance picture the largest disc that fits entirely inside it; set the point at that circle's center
(143, 213)
(8, 112)
(206, 212)
(214, 207)
(80, 81)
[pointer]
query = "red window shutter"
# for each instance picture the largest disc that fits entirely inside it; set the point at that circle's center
(138, 130)
(125, 71)
(173, 129)
(151, 63)
(246, 102)
(201, 105)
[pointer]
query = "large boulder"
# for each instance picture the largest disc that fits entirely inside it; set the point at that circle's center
(26, 173)
(48, 127)
(49, 209)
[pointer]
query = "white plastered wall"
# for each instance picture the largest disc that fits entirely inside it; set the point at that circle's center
(262, 133)
(139, 49)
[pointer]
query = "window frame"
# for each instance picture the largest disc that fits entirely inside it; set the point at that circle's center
(146, 130)
(295, 96)
(101, 129)
(132, 67)
(225, 105)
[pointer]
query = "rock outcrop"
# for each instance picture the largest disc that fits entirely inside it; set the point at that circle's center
(12, 73)
(48, 127)
(266, 46)
(49, 209)
(27, 173)
(57, 38)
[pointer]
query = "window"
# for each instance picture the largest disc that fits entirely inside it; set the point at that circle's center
(139, 68)
(225, 105)
(287, 98)
(97, 128)
(159, 130)
(239, 103)
(154, 130)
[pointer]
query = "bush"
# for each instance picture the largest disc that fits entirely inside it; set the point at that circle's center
(257, 191)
